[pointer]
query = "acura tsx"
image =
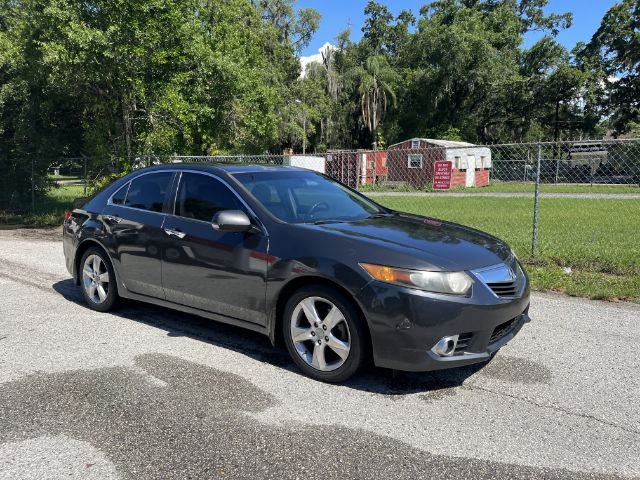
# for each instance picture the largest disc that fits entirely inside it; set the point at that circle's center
(303, 259)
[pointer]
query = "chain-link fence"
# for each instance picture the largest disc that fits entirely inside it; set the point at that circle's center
(574, 204)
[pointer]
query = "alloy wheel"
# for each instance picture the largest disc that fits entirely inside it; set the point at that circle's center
(320, 334)
(95, 279)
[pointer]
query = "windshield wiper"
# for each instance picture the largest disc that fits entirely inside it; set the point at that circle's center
(383, 215)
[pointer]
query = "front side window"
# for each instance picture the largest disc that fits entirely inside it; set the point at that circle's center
(147, 192)
(200, 197)
(300, 197)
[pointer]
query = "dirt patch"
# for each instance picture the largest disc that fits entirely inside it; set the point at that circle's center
(51, 234)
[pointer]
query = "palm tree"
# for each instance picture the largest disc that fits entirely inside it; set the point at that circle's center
(375, 81)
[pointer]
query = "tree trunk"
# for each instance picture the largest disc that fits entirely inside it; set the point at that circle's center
(126, 125)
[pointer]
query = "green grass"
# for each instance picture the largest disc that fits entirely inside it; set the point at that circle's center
(49, 209)
(597, 239)
(517, 187)
(56, 178)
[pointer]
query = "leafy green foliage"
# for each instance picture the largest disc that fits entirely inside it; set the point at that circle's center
(118, 79)
(125, 78)
(614, 52)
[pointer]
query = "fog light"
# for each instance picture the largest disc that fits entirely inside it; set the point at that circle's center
(446, 346)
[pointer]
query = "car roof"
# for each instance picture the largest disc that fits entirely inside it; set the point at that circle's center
(229, 168)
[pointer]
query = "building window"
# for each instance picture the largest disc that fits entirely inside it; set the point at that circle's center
(415, 144)
(414, 161)
(483, 162)
(457, 164)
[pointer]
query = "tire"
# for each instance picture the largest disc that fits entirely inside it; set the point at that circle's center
(98, 287)
(341, 351)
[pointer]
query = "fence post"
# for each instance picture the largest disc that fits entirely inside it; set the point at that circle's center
(536, 200)
(33, 186)
(85, 176)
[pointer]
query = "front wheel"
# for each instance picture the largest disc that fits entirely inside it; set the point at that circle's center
(98, 280)
(324, 334)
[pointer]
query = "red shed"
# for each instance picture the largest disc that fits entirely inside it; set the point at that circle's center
(412, 162)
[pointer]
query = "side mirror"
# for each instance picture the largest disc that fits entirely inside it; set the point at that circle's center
(231, 221)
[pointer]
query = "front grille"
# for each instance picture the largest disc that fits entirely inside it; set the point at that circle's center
(502, 330)
(506, 280)
(503, 289)
(464, 340)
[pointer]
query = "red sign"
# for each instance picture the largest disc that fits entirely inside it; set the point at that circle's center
(442, 175)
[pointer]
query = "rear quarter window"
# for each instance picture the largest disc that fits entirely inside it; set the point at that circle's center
(120, 195)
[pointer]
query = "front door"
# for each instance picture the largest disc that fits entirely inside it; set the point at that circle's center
(134, 218)
(219, 272)
(470, 179)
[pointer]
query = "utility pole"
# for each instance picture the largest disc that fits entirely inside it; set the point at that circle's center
(304, 126)
(304, 132)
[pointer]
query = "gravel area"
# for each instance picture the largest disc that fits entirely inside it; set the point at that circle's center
(146, 392)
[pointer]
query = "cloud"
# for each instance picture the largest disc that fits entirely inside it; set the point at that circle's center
(317, 57)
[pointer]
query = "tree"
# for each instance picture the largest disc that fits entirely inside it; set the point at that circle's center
(463, 70)
(294, 28)
(614, 52)
(118, 79)
(375, 88)
(376, 31)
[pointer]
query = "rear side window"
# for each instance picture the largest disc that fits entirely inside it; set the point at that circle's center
(201, 196)
(120, 195)
(148, 192)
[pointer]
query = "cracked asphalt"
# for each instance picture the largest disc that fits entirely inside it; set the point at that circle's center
(146, 392)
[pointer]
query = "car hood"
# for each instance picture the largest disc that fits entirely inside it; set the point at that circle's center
(442, 245)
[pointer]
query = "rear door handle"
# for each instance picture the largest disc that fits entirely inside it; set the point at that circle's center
(175, 233)
(112, 218)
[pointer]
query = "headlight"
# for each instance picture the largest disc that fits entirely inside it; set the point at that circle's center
(456, 283)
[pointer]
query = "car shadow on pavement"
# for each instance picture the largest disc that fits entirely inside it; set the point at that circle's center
(258, 347)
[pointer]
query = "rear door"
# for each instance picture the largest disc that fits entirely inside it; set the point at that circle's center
(133, 218)
(219, 272)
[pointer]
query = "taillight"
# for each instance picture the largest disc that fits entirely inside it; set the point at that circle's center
(67, 215)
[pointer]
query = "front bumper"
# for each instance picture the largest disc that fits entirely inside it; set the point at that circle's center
(406, 323)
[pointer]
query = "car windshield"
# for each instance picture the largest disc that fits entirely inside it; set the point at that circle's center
(307, 197)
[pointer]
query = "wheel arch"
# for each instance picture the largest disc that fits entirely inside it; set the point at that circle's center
(81, 249)
(275, 333)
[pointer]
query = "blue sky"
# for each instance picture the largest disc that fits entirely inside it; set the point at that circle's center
(337, 13)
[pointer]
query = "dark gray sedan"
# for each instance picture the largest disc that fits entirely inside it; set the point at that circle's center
(303, 259)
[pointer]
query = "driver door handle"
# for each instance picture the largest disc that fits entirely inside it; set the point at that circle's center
(174, 232)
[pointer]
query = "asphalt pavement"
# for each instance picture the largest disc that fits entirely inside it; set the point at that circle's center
(146, 392)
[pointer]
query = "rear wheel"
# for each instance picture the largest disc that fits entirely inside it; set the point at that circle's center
(323, 333)
(98, 280)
